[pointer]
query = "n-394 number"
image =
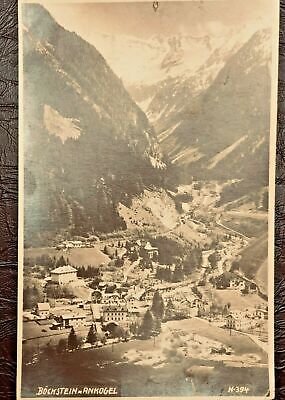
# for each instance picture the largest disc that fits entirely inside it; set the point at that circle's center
(238, 389)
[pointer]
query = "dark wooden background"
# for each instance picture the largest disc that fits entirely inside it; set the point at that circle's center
(8, 205)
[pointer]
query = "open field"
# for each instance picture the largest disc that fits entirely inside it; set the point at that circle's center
(77, 256)
(240, 344)
(262, 215)
(253, 257)
(251, 225)
(237, 301)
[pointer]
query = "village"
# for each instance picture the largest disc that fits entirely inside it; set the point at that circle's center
(135, 295)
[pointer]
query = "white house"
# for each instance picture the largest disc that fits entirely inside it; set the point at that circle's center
(115, 313)
(239, 322)
(69, 320)
(43, 310)
(63, 275)
(150, 250)
(261, 313)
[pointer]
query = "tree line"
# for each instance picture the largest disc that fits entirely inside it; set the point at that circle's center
(182, 269)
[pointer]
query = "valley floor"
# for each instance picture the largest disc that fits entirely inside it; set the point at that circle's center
(198, 354)
(147, 368)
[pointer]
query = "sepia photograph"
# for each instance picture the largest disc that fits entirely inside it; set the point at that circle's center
(147, 159)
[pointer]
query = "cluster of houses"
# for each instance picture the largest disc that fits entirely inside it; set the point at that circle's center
(123, 311)
(73, 244)
(144, 247)
(63, 319)
(229, 280)
(245, 321)
(70, 244)
(122, 306)
(127, 304)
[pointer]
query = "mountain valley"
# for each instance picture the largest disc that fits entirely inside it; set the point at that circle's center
(165, 157)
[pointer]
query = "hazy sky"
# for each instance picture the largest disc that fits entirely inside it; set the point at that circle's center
(196, 18)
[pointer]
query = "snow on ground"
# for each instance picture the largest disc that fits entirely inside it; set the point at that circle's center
(163, 135)
(228, 150)
(187, 156)
(60, 126)
(174, 346)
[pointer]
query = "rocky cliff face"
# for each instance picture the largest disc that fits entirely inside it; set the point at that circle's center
(88, 146)
(221, 131)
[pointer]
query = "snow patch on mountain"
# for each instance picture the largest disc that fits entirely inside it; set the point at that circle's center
(258, 144)
(145, 103)
(227, 151)
(163, 135)
(187, 156)
(60, 126)
(157, 57)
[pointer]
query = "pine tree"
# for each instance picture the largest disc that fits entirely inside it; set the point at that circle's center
(61, 262)
(169, 310)
(147, 325)
(72, 342)
(178, 273)
(89, 271)
(92, 336)
(157, 305)
(189, 264)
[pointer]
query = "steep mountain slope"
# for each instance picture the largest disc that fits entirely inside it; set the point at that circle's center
(155, 58)
(183, 68)
(223, 133)
(253, 262)
(87, 144)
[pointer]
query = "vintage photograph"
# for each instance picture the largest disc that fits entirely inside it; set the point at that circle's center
(147, 147)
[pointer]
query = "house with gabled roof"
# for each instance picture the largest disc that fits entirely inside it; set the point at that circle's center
(43, 310)
(63, 275)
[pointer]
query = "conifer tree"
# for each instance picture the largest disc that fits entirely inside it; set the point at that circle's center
(169, 310)
(157, 305)
(147, 325)
(61, 262)
(92, 336)
(72, 341)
